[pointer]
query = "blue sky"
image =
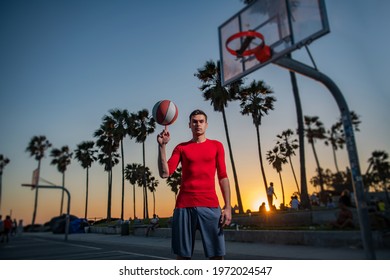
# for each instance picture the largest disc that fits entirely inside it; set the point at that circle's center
(64, 64)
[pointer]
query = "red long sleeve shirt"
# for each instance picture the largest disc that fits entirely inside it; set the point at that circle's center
(200, 162)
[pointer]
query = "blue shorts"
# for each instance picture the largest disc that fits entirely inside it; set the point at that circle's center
(186, 221)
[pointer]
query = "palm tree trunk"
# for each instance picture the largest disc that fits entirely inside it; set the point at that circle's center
(154, 203)
(261, 161)
(144, 199)
(281, 184)
(335, 160)
(109, 184)
(295, 177)
(62, 193)
(146, 210)
(123, 181)
(86, 195)
(35, 207)
(36, 197)
(134, 201)
(239, 201)
(109, 197)
(305, 201)
(108, 194)
(322, 198)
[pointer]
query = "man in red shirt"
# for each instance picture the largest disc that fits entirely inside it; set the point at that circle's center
(197, 206)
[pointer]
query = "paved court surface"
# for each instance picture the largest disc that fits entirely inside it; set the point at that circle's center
(42, 246)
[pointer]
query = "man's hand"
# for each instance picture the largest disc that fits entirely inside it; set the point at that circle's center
(164, 137)
(226, 217)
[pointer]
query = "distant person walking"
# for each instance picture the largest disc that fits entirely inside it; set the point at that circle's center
(271, 194)
(7, 228)
(14, 226)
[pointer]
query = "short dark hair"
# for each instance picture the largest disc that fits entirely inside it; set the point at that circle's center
(198, 112)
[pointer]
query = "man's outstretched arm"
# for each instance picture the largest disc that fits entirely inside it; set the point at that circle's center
(162, 140)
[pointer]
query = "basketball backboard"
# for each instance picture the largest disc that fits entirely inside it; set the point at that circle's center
(35, 177)
(281, 25)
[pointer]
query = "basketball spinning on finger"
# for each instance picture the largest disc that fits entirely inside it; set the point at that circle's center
(165, 112)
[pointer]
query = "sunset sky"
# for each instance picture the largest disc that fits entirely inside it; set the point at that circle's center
(65, 64)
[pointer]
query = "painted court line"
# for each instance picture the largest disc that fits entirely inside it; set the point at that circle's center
(143, 255)
(70, 244)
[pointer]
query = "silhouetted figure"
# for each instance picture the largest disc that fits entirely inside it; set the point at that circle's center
(262, 208)
(236, 210)
(153, 224)
(294, 203)
(271, 194)
(14, 226)
(314, 200)
(7, 228)
(344, 218)
(345, 198)
(19, 230)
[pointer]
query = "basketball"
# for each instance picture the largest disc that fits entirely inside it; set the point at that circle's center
(165, 112)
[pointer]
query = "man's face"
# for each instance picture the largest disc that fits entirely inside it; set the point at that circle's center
(198, 124)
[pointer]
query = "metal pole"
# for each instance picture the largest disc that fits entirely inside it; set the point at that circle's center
(68, 208)
(67, 215)
(357, 181)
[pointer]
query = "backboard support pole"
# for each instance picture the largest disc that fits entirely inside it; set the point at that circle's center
(357, 181)
(67, 222)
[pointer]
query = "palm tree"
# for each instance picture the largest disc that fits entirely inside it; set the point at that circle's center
(120, 120)
(108, 157)
(37, 147)
(379, 169)
(257, 102)
(174, 181)
(141, 126)
(3, 162)
(288, 146)
(336, 139)
(133, 173)
(152, 183)
(61, 158)
(355, 119)
(315, 130)
(276, 157)
(326, 177)
(219, 97)
(85, 154)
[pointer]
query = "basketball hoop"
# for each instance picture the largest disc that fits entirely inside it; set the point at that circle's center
(262, 52)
